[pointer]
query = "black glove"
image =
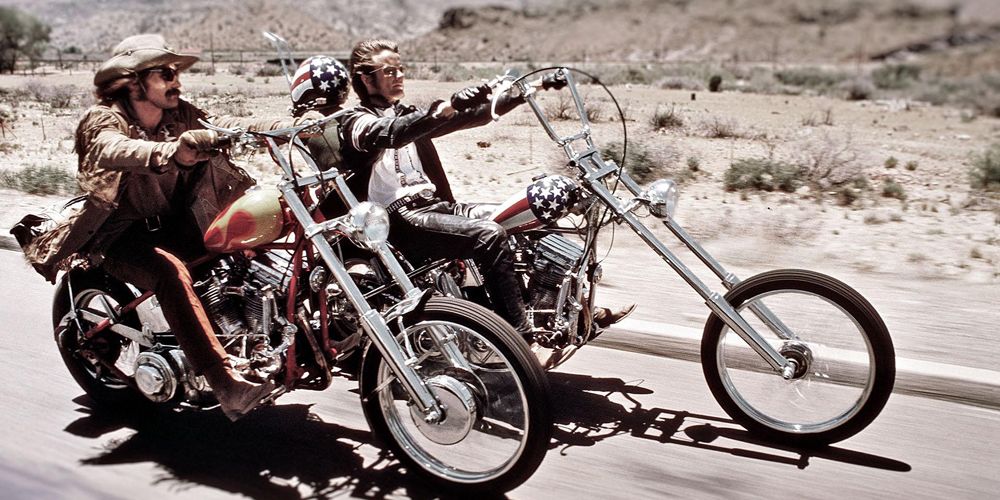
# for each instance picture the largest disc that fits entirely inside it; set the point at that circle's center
(471, 97)
(554, 81)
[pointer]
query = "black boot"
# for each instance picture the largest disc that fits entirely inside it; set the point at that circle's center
(505, 293)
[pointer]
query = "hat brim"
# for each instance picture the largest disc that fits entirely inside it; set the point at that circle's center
(123, 65)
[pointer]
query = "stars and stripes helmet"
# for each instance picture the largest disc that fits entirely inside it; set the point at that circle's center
(320, 81)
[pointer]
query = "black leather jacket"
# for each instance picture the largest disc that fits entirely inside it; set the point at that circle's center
(365, 134)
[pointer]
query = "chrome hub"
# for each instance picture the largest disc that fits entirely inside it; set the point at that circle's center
(459, 409)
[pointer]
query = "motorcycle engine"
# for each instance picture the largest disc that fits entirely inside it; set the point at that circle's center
(242, 297)
(554, 260)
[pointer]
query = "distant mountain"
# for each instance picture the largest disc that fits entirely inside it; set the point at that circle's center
(773, 31)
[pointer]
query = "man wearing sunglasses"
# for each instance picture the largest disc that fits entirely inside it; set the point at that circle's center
(153, 183)
(389, 147)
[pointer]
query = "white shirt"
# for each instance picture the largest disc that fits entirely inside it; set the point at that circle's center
(397, 174)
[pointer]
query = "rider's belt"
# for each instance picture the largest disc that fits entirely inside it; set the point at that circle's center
(421, 199)
(153, 224)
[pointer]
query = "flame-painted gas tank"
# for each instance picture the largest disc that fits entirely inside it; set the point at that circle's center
(254, 219)
(541, 203)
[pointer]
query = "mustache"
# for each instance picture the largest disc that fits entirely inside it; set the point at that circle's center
(173, 92)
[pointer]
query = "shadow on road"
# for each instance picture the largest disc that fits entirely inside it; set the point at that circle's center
(585, 416)
(281, 452)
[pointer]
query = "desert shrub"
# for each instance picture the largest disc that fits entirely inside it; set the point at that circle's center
(237, 69)
(911, 165)
(891, 162)
(858, 89)
(40, 180)
(828, 161)
(720, 128)
(826, 13)
(985, 171)
(679, 83)
(640, 162)
(594, 111)
(812, 78)
(56, 96)
(762, 174)
(560, 108)
(893, 189)
(693, 163)
(664, 119)
(847, 195)
(715, 83)
(896, 76)
(269, 70)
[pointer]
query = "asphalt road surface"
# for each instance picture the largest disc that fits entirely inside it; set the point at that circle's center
(628, 426)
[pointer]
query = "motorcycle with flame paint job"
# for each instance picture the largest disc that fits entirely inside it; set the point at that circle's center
(446, 384)
(792, 355)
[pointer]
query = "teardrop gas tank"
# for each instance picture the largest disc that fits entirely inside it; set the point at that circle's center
(543, 202)
(254, 219)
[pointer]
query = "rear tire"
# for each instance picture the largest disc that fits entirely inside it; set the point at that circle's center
(504, 439)
(80, 356)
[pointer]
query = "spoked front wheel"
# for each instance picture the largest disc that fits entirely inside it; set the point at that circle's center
(497, 417)
(846, 363)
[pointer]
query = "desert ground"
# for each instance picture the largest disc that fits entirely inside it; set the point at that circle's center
(929, 262)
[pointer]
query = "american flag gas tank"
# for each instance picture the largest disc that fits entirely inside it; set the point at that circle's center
(543, 202)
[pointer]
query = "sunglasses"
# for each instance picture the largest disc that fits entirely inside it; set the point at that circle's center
(390, 71)
(168, 74)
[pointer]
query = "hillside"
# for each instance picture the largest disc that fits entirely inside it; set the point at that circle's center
(773, 31)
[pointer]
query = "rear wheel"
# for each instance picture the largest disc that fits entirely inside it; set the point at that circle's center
(497, 422)
(94, 362)
(843, 350)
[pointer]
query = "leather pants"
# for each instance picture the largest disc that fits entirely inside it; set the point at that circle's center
(458, 230)
(156, 261)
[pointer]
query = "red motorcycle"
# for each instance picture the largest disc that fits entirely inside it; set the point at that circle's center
(448, 385)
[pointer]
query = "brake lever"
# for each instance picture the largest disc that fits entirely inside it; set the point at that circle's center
(500, 84)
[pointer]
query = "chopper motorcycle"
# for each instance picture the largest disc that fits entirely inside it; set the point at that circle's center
(792, 355)
(446, 384)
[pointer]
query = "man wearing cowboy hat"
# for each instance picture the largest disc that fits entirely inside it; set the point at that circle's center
(152, 186)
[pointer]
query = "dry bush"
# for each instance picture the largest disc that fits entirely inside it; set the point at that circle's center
(665, 119)
(594, 111)
(561, 108)
(721, 128)
(41, 180)
(828, 161)
(56, 96)
(985, 171)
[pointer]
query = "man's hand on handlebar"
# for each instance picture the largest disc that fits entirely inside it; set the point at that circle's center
(471, 97)
(554, 81)
(196, 146)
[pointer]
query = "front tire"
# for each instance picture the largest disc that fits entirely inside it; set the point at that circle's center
(492, 448)
(848, 357)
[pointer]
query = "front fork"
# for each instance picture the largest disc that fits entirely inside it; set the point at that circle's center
(596, 170)
(375, 324)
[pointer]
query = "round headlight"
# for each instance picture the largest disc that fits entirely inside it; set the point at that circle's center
(369, 224)
(662, 196)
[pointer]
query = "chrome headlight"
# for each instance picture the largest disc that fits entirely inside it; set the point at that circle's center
(662, 197)
(368, 224)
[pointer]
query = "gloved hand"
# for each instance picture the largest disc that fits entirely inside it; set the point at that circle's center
(196, 146)
(309, 116)
(471, 97)
(554, 81)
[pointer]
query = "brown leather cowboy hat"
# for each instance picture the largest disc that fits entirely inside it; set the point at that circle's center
(140, 52)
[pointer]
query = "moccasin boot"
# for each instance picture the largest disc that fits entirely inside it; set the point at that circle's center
(604, 317)
(236, 396)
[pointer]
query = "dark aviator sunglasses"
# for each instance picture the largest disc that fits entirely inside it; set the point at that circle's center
(168, 74)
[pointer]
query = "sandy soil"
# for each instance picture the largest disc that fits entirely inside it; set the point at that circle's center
(931, 264)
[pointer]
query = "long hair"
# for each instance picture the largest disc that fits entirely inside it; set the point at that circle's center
(361, 61)
(114, 90)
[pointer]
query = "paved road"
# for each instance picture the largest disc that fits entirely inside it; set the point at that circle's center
(629, 426)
